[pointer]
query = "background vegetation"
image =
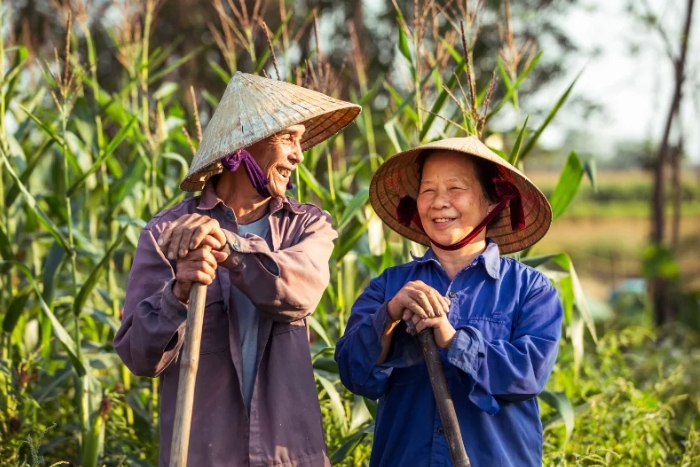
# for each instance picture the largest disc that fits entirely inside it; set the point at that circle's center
(102, 105)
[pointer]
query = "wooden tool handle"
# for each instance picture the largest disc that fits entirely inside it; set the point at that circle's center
(189, 362)
(443, 398)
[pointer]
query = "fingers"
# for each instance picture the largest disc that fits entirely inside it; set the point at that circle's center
(428, 323)
(211, 242)
(196, 270)
(420, 304)
(181, 238)
(211, 231)
(219, 256)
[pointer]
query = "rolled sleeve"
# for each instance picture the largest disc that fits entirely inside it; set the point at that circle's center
(285, 284)
(153, 324)
(512, 370)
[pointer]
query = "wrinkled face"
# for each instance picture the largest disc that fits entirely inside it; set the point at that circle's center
(451, 201)
(278, 156)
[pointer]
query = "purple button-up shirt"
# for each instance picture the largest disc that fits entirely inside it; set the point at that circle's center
(285, 283)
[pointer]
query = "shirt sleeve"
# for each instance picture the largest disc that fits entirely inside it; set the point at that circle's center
(360, 347)
(153, 324)
(285, 285)
(512, 370)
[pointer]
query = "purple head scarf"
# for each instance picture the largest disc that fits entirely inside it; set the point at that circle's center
(233, 161)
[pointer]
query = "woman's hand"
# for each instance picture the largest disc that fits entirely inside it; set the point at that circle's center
(444, 331)
(197, 266)
(190, 232)
(417, 299)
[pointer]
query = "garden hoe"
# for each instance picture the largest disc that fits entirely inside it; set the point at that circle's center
(442, 395)
(189, 361)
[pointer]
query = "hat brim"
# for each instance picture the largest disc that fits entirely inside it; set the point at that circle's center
(399, 176)
(318, 129)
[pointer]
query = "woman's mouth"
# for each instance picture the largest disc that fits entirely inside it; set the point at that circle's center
(443, 222)
(284, 172)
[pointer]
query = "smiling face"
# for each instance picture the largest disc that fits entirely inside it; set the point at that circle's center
(451, 199)
(278, 156)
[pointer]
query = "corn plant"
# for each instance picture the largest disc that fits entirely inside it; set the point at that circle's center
(83, 169)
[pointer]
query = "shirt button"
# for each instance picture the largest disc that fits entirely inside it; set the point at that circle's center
(441, 431)
(229, 214)
(452, 294)
(236, 247)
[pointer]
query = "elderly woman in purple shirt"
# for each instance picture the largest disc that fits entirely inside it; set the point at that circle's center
(496, 321)
(264, 257)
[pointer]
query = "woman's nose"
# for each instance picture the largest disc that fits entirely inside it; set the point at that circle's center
(297, 155)
(441, 199)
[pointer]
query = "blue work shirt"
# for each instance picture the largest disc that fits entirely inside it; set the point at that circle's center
(508, 319)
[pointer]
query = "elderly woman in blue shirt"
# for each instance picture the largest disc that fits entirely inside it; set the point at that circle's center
(496, 321)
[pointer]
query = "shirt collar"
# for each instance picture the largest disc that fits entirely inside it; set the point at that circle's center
(490, 258)
(209, 200)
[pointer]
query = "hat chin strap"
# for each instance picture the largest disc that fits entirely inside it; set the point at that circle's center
(257, 178)
(407, 212)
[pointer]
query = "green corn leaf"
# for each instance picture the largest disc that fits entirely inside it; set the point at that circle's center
(441, 99)
(91, 281)
(275, 37)
(311, 182)
(403, 103)
(550, 116)
(223, 74)
(156, 76)
(44, 219)
(515, 86)
(403, 44)
(5, 245)
(319, 330)
(14, 311)
(213, 101)
(354, 208)
(396, 136)
(515, 152)
(12, 76)
(567, 186)
(109, 150)
(559, 402)
(589, 167)
(51, 132)
(344, 451)
(51, 266)
(360, 415)
(165, 90)
(59, 331)
(348, 239)
(337, 408)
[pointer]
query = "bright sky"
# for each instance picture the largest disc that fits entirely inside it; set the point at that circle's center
(634, 88)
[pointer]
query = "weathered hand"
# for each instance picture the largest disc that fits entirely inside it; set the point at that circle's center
(444, 331)
(197, 266)
(417, 298)
(190, 232)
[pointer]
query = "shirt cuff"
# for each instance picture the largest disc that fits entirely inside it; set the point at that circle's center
(242, 246)
(467, 346)
(172, 308)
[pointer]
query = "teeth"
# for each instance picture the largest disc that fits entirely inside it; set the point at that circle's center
(443, 220)
(284, 172)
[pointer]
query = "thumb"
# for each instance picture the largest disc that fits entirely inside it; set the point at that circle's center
(219, 256)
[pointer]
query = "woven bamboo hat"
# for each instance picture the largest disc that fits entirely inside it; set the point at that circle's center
(399, 177)
(254, 108)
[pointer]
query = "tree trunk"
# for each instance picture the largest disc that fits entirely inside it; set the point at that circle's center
(677, 191)
(660, 285)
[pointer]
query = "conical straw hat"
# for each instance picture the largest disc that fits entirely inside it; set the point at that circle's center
(399, 176)
(254, 108)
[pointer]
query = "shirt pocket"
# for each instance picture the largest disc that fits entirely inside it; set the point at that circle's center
(491, 328)
(215, 330)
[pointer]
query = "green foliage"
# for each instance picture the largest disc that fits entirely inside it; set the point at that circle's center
(83, 169)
